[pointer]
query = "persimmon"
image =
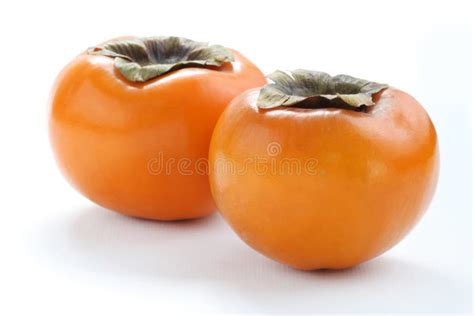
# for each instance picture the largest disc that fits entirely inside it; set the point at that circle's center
(131, 118)
(322, 172)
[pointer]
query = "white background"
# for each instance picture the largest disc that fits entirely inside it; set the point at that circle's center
(62, 255)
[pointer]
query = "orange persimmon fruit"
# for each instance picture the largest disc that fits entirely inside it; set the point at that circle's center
(322, 172)
(131, 120)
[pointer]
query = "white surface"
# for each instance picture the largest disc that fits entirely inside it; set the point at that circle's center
(63, 255)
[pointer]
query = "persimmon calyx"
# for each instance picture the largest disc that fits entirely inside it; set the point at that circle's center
(141, 59)
(315, 89)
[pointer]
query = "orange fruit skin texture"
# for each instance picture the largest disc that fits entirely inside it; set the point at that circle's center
(375, 175)
(108, 133)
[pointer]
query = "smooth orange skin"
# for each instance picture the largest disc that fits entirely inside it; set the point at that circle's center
(375, 176)
(108, 133)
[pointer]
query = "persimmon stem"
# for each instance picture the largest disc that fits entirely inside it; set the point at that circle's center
(314, 90)
(142, 59)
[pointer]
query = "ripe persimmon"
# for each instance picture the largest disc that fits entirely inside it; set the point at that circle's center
(131, 118)
(320, 172)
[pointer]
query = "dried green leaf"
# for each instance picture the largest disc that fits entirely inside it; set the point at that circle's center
(142, 59)
(315, 89)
